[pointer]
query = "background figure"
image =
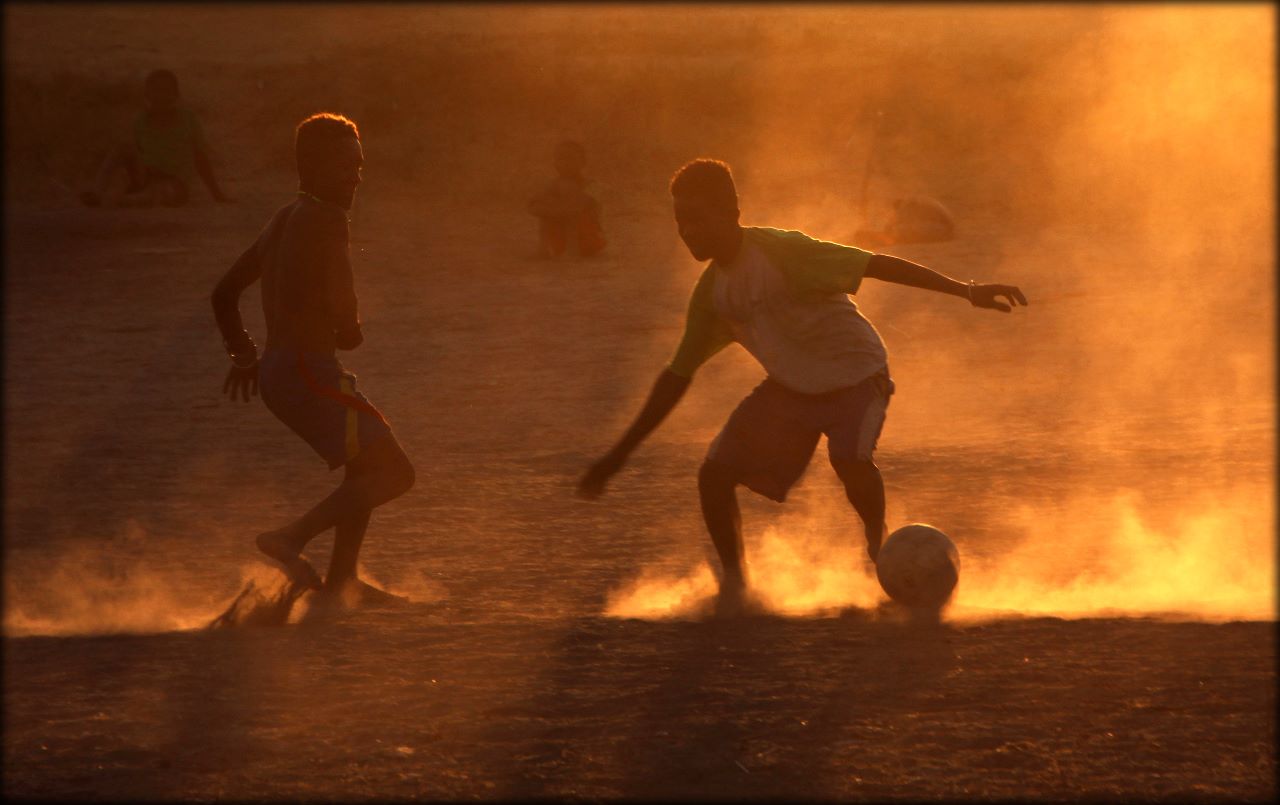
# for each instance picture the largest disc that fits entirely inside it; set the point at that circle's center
(566, 213)
(915, 219)
(167, 142)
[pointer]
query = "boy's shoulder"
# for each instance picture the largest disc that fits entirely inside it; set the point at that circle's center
(793, 242)
(780, 245)
(317, 218)
(772, 235)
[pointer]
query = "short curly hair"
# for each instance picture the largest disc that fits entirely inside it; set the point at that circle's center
(707, 178)
(316, 134)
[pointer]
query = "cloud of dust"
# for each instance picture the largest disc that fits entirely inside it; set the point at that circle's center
(86, 590)
(1118, 163)
(1212, 561)
(1124, 154)
(798, 566)
(1167, 162)
(660, 594)
(1209, 560)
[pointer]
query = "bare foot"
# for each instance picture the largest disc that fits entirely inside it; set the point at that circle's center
(736, 601)
(278, 546)
(366, 596)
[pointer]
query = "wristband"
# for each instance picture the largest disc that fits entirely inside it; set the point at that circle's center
(247, 346)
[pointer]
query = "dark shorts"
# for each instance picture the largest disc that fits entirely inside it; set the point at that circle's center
(771, 435)
(584, 231)
(145, 177)
(312, 394)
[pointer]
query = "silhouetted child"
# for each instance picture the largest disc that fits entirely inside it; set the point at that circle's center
(167, 143)
(566, 213)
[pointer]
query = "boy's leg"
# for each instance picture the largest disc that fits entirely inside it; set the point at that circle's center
(342, 582)
(379, 473)
(764, 446)
(146, 197)
(348, 535)
(171, 191)
(590, 234)
(720, 512)
(120, 158)
(864, 488)
(553, 237)
(151, 188)
(858, 415)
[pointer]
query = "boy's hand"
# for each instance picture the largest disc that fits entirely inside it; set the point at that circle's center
(985, 296)
(591, 486)
(241, 380)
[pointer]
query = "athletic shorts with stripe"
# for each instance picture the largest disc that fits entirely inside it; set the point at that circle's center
(312, 394)
(770, 437)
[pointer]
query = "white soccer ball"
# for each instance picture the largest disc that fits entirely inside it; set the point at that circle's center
(918, 566)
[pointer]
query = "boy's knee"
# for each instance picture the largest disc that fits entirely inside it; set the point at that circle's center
(714, 476)
(398, 474)
(854, 470)
(173, 193)
(386, 467)
(405, 476)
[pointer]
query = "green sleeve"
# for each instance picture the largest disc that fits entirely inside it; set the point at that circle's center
(812, 265)
(705, 333)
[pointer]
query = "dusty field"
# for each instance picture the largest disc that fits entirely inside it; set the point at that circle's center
(1104, 459)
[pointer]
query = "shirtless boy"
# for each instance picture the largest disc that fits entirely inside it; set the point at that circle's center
(308, 298)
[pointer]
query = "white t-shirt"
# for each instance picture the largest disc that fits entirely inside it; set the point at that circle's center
(785, 298)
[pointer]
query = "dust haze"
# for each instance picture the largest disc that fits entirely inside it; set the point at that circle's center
(1107, 449)
(1104, 459)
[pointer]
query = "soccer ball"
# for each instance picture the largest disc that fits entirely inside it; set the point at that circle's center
(918, 566)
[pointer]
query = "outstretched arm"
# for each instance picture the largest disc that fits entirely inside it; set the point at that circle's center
(904, 272)
(667, 391)
(243, 375)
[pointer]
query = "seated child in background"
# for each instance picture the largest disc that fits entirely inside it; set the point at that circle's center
(566, 214)
(916, 219)
(167, 143)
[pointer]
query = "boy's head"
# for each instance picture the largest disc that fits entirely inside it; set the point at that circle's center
(161, 89)
(570, 159)
(706, 208)
(327, 147)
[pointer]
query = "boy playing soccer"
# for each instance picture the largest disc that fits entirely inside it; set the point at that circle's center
(784, 296)
(303, 259)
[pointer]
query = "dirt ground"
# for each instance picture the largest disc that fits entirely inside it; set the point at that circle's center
(1104, 459)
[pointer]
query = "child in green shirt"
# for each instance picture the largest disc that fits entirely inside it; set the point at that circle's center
(167, 143)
